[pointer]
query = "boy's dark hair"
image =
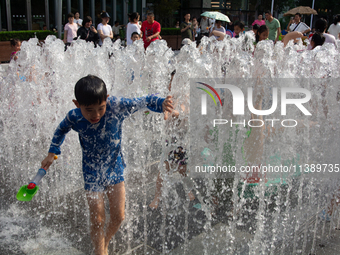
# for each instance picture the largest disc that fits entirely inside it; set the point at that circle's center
(90, 90)
(70, 15)
(298, 14)
(87, 19)
(336, 19)
(116, 22)
(320, 25)
(134, 33)
(240, 24)
(269, 12)
(318, 39)
(151, 14)
(14, 41)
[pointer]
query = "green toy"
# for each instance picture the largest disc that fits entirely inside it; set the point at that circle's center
(27, 192)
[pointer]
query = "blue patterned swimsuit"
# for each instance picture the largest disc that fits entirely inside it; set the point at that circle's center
(103, 162)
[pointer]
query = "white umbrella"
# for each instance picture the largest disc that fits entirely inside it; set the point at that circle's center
(216, 16)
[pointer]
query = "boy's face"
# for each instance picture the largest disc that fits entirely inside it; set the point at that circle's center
(218, 23)
(134, 37)
(94, 112)
(70, 20)
(17, 46)
(237, 30)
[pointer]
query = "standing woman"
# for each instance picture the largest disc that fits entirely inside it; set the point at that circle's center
(70, 30)
(132, 26)
(88, 32)
(104, 29)
(77, 20)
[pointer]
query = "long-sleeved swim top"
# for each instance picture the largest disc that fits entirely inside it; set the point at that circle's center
(101, 142)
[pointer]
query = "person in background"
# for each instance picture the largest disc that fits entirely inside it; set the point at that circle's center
(177, 24)
(187, 28)
(259, 21)
(77, 20)
(238, 29)
(320, 27)
(44, 27)
(104, 29)
(334, 28)
(274, 27)
(70, 30)
(218, 31)
(196, 28)
(132, 27)
(205, 26)
(88, 32)
(230, 26)
(115, 30)
(15, 45)
(297, 25)
(150, 29)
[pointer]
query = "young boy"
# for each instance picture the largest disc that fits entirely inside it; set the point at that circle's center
(135, 36)
(238, 28)
(98, 119)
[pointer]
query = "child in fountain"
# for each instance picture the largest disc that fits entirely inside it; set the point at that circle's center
(177, 156)
(15, 45)
(98, 119)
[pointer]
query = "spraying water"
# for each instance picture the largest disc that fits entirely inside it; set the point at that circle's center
(240, 213)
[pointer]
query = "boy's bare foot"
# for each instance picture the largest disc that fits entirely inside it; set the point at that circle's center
(155, 203)
(191, 196)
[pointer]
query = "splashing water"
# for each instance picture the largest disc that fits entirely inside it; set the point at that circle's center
(275, 214)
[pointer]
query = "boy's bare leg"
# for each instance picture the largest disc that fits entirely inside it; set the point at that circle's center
(159, 183)
(116, 197)
(97, 218)
(182, 169)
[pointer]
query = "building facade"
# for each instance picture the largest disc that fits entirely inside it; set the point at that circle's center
(33, 14)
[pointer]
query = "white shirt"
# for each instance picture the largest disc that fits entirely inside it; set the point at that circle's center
(71, 31)
(107, 29)
(221, 29)
(129, 30)
(334, 30)
(328, 39)
(299, 27)
(79, 22)
(115, 30)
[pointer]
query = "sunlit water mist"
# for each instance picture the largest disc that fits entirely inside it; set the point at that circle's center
(275, 215)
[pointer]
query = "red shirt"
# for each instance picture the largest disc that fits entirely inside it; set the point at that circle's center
(148, 30)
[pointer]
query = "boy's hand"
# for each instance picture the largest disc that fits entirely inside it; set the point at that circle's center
(167, 104)
(47, 161)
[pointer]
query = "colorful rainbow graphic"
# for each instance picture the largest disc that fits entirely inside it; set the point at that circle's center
(208, 92)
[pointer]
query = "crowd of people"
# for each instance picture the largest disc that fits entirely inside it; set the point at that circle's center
(268, 29)
(193, 30)
(77, 28)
